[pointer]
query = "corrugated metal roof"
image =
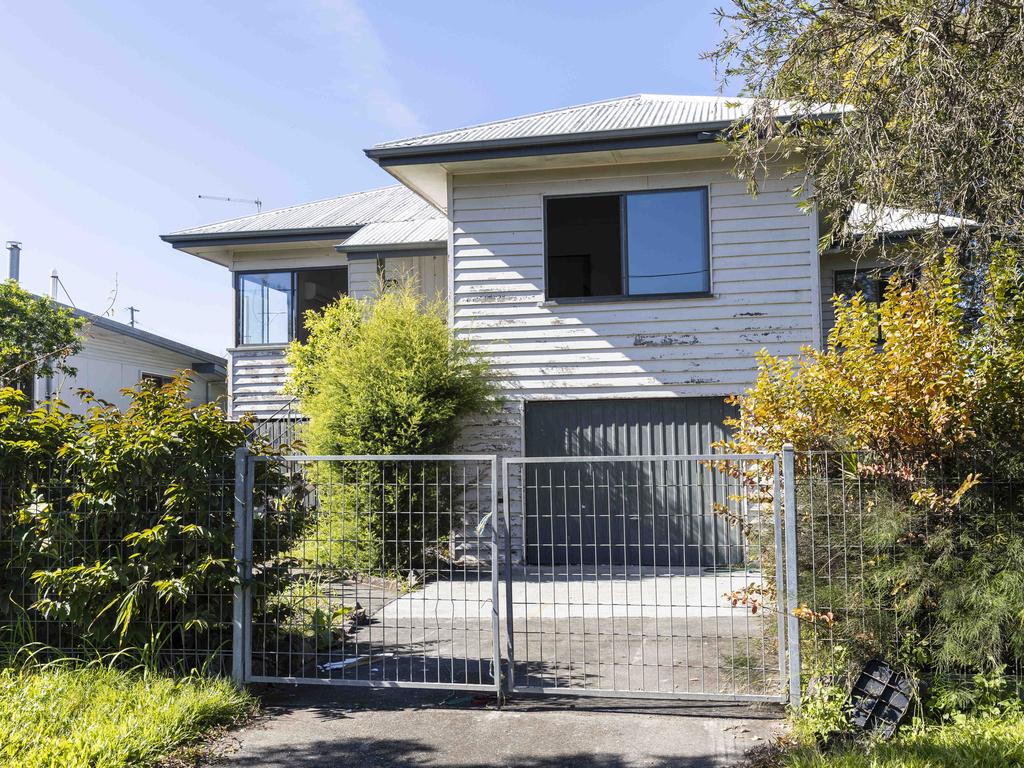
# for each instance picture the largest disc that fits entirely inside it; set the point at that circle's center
(197, 355)
(393, 233)
(890, 221)
(639, 111)
(397, 203)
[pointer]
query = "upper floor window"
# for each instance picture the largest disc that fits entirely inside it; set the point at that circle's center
(630, 244)
(271, 305)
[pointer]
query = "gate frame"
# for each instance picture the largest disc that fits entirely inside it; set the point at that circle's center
(777, 470)
(500, 545)
(245, 464)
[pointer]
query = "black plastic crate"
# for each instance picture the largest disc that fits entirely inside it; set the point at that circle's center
(881, 698)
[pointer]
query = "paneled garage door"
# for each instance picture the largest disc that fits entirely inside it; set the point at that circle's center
(627, 513)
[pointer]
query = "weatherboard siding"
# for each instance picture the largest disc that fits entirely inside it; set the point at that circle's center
(110, 362)
(256, 378)
(363, 280)
(765, 285)
(257, 375)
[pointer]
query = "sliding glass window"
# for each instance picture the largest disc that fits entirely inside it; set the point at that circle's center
(650, 243)
(272, 305)
(266, 306)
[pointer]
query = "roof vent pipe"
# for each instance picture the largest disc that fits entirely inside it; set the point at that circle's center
(14, 270)
(54, 283)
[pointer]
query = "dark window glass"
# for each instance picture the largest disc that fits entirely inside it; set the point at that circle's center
(666, 236)
(158, 379)
(869, 282)
(584, 246)
(315, 289)
(266, 306)
(628, 244)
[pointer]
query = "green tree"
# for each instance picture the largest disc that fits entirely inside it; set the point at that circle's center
(928, 91)
(385, 376)
(37, 335)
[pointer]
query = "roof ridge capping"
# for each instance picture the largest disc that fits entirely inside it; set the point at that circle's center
(639, 113)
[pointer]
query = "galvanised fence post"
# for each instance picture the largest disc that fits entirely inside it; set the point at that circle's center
(238, 634)
(793, 631)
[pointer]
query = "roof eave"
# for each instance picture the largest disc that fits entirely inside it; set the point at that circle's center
(568, 143)
(200, 239)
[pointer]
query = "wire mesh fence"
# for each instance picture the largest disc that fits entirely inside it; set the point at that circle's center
(908, 557)
(385, 581)
(637, 574)
(640, 576)
(97, 565)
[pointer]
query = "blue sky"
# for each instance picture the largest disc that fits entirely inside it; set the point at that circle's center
(115, 116)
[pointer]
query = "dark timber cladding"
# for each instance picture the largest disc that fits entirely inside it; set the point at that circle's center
(627, 513)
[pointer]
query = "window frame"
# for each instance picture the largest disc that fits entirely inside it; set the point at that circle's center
(160, 379)
(880, 275)
(624, 294)
(293, 318)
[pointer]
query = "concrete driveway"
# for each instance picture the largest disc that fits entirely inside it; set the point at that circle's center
(322, 727)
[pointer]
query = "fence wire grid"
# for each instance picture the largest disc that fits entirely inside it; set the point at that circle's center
(630, 563)
(72, 553)
(390, 580)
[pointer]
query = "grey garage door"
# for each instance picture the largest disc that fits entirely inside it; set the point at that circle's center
(628, 512)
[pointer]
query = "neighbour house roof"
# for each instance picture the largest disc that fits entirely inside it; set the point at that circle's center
(337, 217)
(202, 362)
(642, 112)
(899, 221)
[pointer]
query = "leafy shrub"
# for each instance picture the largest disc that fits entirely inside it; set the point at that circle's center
(922, 407)
(117, 527)
(386, 377)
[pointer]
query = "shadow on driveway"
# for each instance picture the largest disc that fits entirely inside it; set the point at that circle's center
(356, 728)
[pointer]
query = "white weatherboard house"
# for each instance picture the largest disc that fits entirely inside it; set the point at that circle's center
(604, 257)
(116, 356)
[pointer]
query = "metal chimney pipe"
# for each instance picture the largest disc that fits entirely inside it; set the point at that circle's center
(54, 283)
(14, 270)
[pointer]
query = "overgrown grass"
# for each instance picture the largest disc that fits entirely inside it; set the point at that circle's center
(97, 717)
(970, 742)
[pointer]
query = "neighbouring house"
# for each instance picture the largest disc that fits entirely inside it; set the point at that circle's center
(618, 275)
(116, 356)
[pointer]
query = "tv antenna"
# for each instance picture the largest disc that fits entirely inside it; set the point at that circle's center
(257, 202)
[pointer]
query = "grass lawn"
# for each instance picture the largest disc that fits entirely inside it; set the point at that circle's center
(973, 743)
(103, 718)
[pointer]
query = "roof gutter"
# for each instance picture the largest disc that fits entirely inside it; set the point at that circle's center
(432, 245)
(200, 239)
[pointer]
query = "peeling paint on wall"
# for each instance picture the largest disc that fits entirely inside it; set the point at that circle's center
(664, 340)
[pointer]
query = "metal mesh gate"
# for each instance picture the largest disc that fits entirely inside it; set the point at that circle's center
(639, 576)
(632, 570)
(371, 571)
